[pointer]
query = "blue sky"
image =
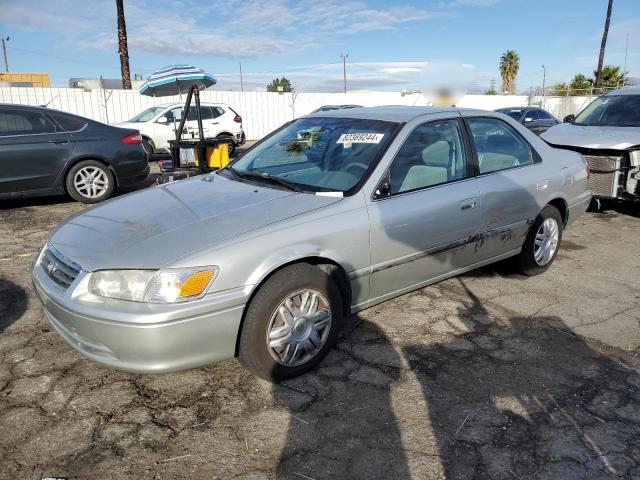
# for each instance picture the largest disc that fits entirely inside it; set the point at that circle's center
(391, 45)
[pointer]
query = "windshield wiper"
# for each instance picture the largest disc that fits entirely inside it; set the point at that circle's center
(265, 177)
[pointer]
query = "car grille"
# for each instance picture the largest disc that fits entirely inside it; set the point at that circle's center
(59, 268)
(604, 174)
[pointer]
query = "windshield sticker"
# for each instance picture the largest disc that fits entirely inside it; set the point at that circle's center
(348, 138)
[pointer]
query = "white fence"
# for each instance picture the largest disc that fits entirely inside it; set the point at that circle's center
(262, 112)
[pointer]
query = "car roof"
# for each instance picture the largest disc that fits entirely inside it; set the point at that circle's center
(514, 108)
(390, 113)
(624, 91)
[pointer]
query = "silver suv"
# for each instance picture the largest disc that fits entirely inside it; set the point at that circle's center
(607, 133)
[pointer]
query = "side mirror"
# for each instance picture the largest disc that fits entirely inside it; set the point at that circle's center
(569, 118)
(163, 119)
(528, 120)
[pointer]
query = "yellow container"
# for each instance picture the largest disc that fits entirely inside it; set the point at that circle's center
(217, 157)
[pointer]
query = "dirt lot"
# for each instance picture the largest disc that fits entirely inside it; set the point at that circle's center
(486, 376)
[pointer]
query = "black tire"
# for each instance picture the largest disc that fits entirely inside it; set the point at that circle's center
(231, 144)
(84, 195)
(149, 147)
(254, 352)
(526, 261)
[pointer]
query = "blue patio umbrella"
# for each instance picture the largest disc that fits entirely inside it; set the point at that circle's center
(175, 80)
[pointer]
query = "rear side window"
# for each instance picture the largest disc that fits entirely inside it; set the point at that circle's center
(498, 145)
(20, 122)
(68, 123)
(533, 115)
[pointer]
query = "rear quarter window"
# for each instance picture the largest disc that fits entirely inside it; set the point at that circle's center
(68, 123)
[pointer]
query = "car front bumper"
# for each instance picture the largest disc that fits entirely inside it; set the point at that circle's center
(143, 338)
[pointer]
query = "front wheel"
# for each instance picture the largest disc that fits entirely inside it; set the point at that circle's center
(542, 243)
(291, 323)
(89, 181)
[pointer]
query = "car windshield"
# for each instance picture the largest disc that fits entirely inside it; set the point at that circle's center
(317, 154)
(147, 115)
(611, 111)
(515, 114)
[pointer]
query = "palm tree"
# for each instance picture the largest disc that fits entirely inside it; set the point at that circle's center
(611, 77)
(123, 49)
(509, 66)
(598, 72)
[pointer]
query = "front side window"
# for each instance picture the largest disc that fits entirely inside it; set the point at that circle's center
(431, 155)
(532, 115)
(317, 154)
(611, 111)
(498, 145)
(17, 122)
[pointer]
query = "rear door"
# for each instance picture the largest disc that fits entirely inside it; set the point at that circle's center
(510, 179)
(33, 151)
(425, 211)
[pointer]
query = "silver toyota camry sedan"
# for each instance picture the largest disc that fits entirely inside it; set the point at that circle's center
(330, 214)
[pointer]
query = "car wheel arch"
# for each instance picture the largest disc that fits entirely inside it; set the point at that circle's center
(75, 161)
(562, 206)
(331, 267)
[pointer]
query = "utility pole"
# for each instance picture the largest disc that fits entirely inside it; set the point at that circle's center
(544, 83)
(4, 51)
(241, 82)
(344, 69)
(598, 82)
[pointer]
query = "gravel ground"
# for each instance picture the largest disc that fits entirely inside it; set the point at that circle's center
(487, 376)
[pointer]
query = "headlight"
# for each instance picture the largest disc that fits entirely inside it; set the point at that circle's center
(153, 286)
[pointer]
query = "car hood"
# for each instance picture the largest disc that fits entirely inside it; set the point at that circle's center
(152, 228)
(615, 138)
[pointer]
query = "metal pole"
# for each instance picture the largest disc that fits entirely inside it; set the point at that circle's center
(544, 83)
(626, 52)
(4, 51)
(344, 70)
(241, 82)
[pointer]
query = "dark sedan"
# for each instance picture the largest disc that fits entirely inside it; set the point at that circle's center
(47, 152)
(535, 119)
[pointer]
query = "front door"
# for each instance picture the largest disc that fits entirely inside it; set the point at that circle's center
(426, 211)
(33, 151)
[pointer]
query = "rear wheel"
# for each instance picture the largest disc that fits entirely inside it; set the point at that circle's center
(89, 181)
(291, 323)
(231, 143)
(542, 243)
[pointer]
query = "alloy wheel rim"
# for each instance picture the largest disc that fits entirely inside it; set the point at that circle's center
(546, 241)
(91, 182)
(299, 327)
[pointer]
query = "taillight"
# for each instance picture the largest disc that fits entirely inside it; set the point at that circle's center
(132, 139)
(237, 118)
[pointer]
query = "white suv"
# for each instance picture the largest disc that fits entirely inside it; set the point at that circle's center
(158, 125)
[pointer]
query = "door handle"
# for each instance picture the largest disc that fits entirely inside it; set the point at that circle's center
(542, 185)
(59, 141)
(468, 204)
